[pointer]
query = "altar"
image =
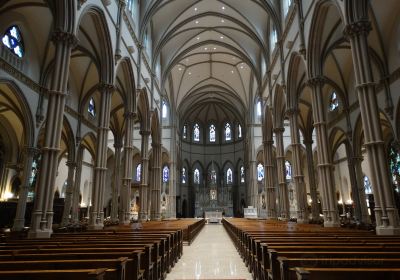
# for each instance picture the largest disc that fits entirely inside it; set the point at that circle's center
(213, 216)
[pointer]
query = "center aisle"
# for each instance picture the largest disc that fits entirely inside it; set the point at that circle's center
(212, 255)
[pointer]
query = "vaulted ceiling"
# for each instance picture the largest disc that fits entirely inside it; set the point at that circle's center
(210, 48)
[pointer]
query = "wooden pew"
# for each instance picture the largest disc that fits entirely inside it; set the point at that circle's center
(304, 273)
(65, 274)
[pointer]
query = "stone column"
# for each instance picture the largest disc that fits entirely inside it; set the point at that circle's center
(117, 181)
(125, 197)
(253, 187)
(281, 170)
(325, 166)
(356, 165)
(155, 211)
(143, 190)
(42, 216)
(312, 181)
(19, 221)
(269, 180)
(387, 218)
(77, 188)
(68, 192)
(298, 177)
(96, 217)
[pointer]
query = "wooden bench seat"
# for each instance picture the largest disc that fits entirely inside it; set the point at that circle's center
(304, 273)
(65, 274)
(117, 266)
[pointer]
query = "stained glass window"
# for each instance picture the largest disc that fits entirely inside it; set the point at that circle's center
(239, 131)
(131, 5)
(184, 132)
(92, 107)
(164, 110)
(394, 165)
(286, 7)
(288, 168)
(213, 176)
(196, 176)
(165, 174)
(334, 102)
(228, 132)
(242, 175)
(212, 133)
(183, 175)
(259, 108)
(34, 171)
(138, 172)
(12, 39)
(260, 172)
(273, 39)
(229, 176)
(367, 185)
(196, 133)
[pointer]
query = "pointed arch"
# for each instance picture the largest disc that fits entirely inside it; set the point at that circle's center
(143, 109)
(106, 59)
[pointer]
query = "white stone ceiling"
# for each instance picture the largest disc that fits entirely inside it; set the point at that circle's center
(209, 48)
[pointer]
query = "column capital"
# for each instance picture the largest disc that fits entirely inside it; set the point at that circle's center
(278, 130)
(144, 132)
(292, 111)
(316, 81)
(155, 145)
(268, 142)
(362, 27)
(71, 164)
(104, 87)
(130, 115)
(118, 144)
(308, 142)
(65, 37)
(31, 151)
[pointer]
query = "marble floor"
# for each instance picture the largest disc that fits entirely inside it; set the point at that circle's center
(212, 255)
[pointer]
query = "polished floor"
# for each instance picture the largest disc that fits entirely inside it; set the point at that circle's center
(212, 255)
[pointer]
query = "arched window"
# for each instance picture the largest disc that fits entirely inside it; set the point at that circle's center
(239, 131)
(131, 5)
(242, 175)
(229, 176)
(286, 6)
(92, 107)
(394, 165)
(273, 39)
(138, 172)
(333, 102)
(164, 110)
(288, 168)
(184, 132)
(212, 133)
(34, 171)
(228, 132)
(213, 176)
(259, 108)
(367, 185)
(165, 174)
(196, 176)
(12, 39)
(183, 175)
(260, 172)
(196, 132)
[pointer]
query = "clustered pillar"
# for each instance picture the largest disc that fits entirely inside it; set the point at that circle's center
(325, 167)
(387, 218)
(42, 216)
(100, 170)
(143, 190)
(155, 212)
(280, 162)
(301, 194)
(269, 179)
